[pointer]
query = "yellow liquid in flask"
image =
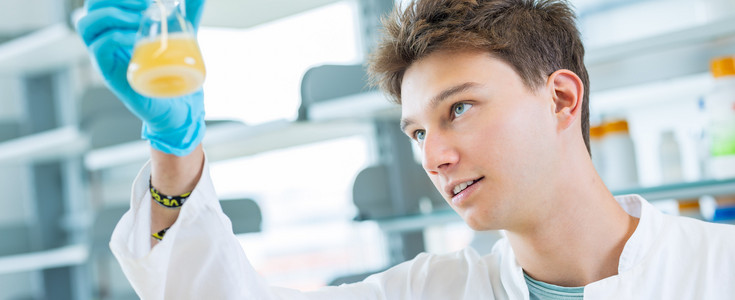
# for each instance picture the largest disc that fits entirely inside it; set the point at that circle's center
(166, 68)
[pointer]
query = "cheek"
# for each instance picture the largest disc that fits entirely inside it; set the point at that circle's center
(527, 124)
(510, 141)
(527, 134)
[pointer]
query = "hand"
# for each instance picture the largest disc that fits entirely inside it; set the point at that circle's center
(174, 126)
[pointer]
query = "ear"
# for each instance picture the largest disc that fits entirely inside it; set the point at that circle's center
(567, 92)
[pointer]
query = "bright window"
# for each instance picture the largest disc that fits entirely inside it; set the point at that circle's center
(254, 75)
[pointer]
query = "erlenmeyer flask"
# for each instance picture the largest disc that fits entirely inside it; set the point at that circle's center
(166, 60)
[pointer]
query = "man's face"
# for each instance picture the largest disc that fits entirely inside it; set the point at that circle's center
(476, 123)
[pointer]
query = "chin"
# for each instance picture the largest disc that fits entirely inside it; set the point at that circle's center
(479, 224)
(478, 218)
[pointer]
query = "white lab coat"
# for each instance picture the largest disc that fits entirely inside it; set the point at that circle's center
(667, 257)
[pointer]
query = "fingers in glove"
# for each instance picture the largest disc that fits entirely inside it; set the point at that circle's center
(114, 45)
(112, 51)
(134, 5)
(104, 20)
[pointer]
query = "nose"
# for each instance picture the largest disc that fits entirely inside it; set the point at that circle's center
(439, 153)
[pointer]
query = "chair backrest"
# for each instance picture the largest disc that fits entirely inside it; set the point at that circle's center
(371, 192)
(244, 214)
(326, 82)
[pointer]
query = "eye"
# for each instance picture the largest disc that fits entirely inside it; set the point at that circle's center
(459, 108)
(419, 135)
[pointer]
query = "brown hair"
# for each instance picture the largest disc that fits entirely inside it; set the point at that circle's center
(536, 37)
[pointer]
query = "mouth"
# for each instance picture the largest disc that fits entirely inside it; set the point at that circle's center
(464, 185)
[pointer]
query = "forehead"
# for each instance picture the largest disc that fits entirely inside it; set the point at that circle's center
(428, 78)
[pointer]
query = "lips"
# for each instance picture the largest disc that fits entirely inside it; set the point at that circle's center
(457, 187)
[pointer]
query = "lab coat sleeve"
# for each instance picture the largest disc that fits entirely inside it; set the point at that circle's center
(199, 258)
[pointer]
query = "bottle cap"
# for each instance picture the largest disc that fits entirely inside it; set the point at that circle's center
(723, 66)
(616, 126)
(596, 132)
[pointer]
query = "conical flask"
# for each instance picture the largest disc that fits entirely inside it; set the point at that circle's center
(166, 60)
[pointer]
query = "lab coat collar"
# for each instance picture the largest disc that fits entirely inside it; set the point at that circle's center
(634, 251)
(511, 273)
(643, 238)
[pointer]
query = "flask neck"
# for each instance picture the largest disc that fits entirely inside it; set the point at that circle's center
(162, 9)
(167, 3)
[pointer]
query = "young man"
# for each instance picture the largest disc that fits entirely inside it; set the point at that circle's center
(495, 94)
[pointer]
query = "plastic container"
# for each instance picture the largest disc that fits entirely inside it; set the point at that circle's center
(701, 140)
(621, 170)
(597, 133)
(720, 105)
(717, 209)
(670, 158)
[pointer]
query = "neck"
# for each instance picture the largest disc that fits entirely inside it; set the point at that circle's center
(578, 238)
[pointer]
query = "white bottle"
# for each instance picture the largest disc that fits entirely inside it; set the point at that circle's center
(702, 140)
(721, 114)
(597, 134)
(670, 158)
(621, 169)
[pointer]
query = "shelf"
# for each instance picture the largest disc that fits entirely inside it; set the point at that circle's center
(418, 221)
(670, 55)
(222, 142)
(655, 93)
(53, 47)
(363, 106)
(246, 14)
(232, 140)
(57, 46)
(652, 194)
(44, 146)
(700, 34)
(683, 190)
(60, 257)
(118, 155)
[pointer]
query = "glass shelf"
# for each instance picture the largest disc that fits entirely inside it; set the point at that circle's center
(682, 190)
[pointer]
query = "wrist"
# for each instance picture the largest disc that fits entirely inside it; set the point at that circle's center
(176, 175)
(174, 126)
(179, 142)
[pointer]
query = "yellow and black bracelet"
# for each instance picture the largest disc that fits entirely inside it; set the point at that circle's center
(159, 235)
(168, 201)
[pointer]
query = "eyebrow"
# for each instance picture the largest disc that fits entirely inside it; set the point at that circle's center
(444, 95)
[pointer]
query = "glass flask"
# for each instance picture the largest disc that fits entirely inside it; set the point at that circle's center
(166, 60)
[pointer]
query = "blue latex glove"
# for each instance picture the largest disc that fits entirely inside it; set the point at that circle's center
(174, 126)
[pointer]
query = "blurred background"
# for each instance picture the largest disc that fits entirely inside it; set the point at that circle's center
(309, 163)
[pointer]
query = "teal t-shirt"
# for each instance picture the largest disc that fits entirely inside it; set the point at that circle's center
(543, 291)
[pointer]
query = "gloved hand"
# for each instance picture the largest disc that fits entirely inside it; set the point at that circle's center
(174, 126)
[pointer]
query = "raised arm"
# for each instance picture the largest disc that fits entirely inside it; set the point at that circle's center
(174, 126)
(199, 257)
